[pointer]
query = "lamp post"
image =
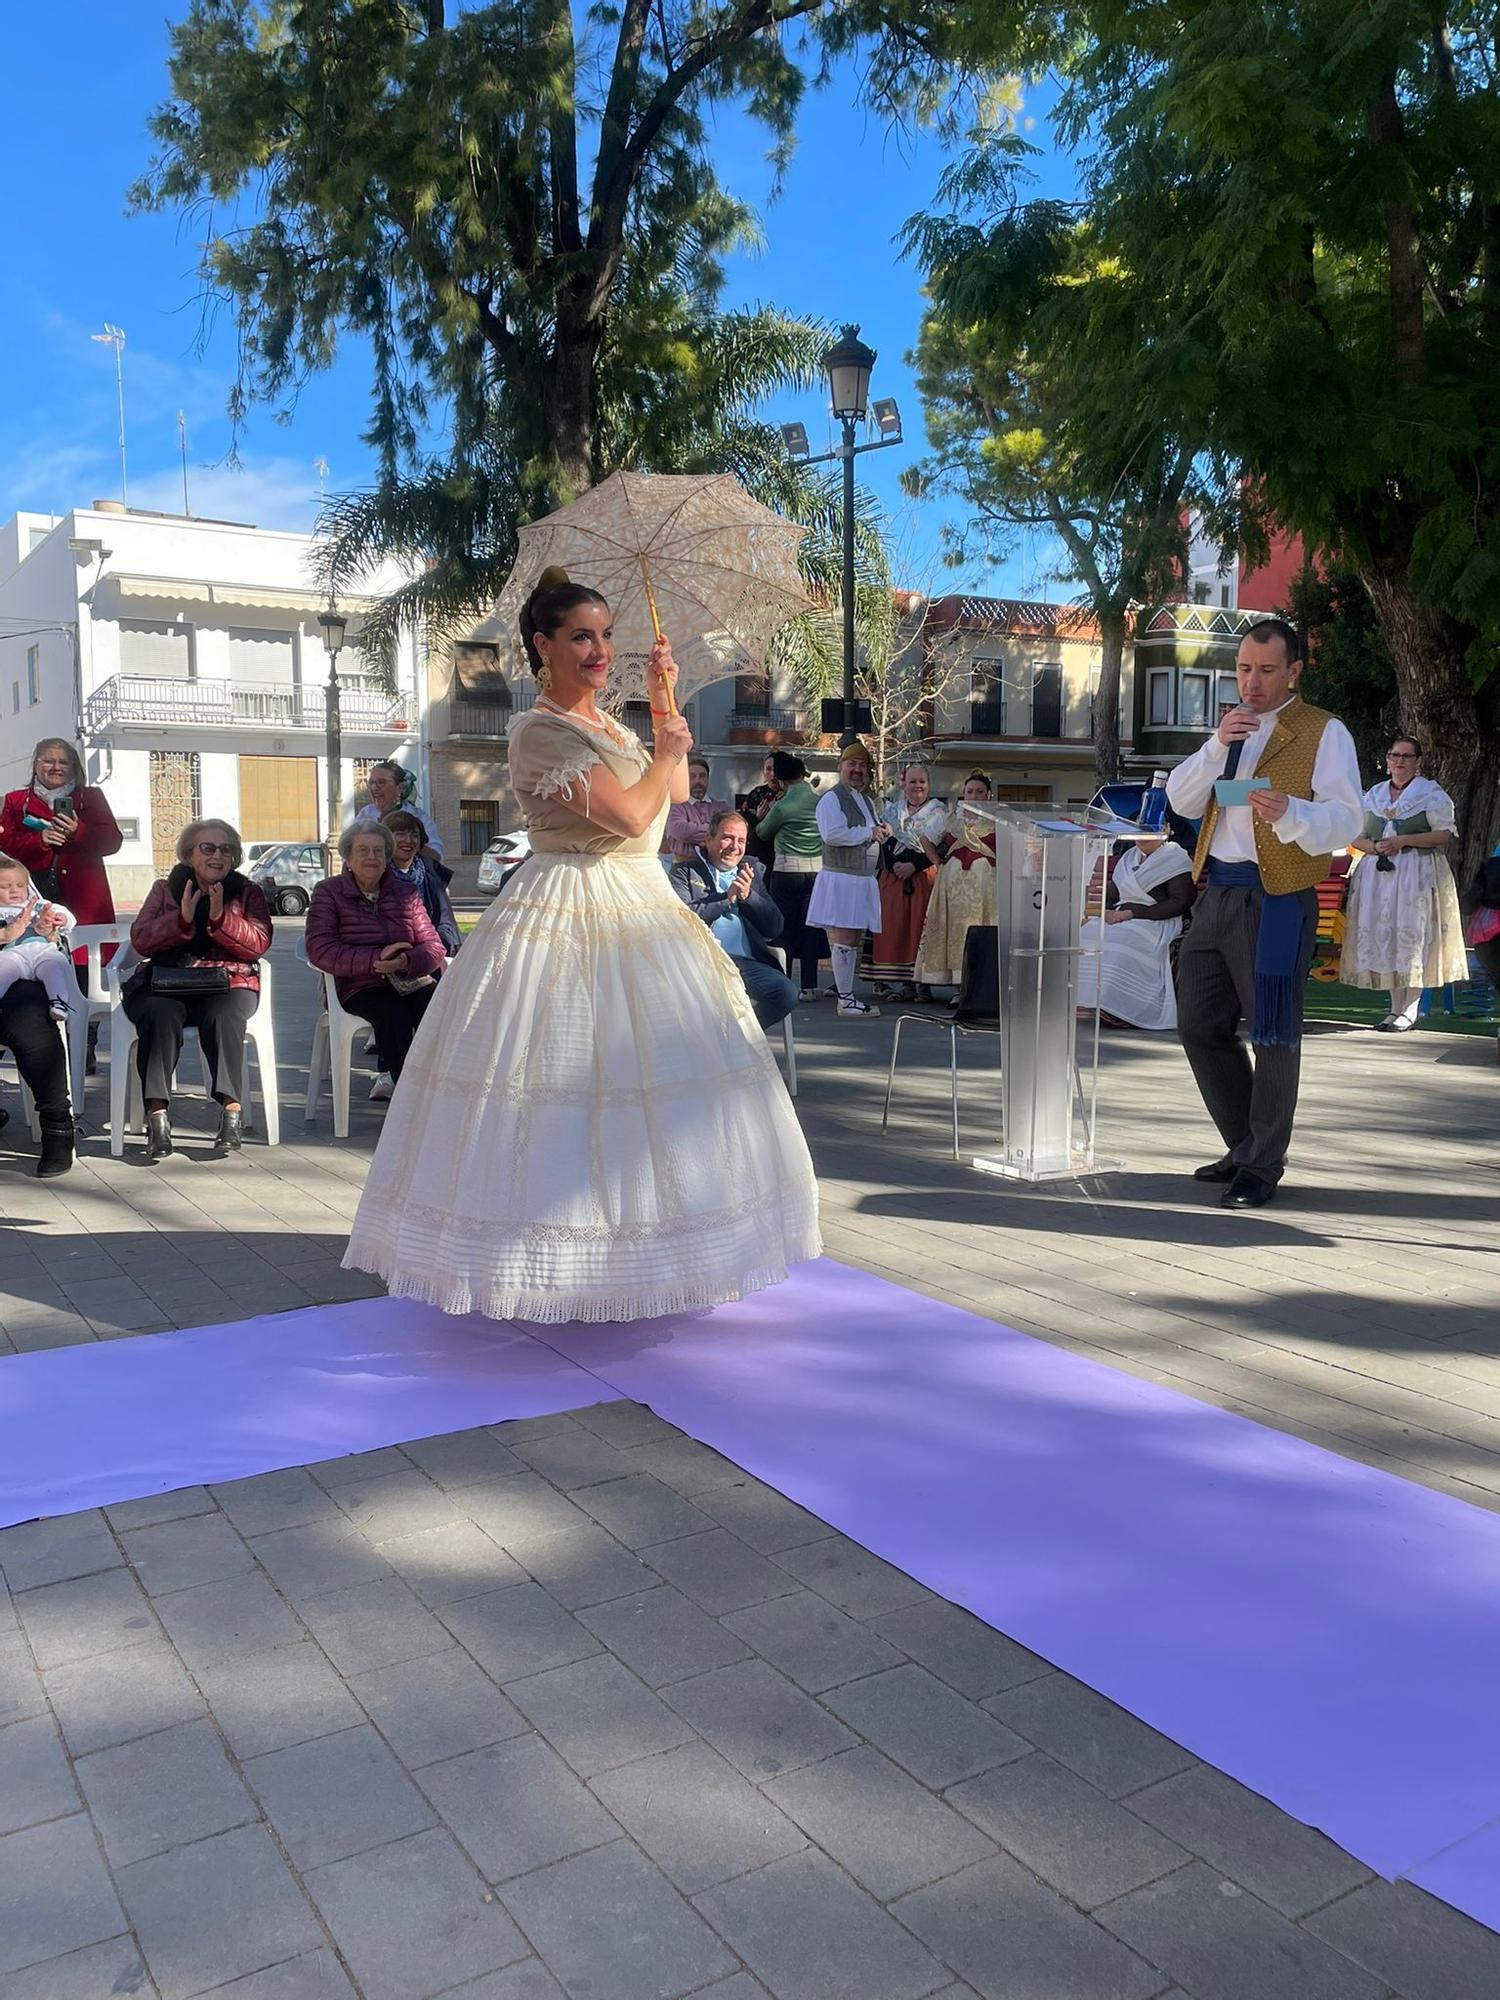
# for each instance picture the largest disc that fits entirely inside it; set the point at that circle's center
(848, 365)
(334, 625)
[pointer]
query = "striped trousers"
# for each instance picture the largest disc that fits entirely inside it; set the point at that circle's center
(1250, 1096)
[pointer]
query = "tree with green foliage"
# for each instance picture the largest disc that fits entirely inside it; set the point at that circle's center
(515, 209)
(1023, 441)
(1348, 667)
(1303, 199)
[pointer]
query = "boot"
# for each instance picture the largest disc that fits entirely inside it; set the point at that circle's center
(230, 1134)
(57, 1148)
(158, 1137)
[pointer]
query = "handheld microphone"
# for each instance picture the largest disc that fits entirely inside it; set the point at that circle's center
(1232, 761)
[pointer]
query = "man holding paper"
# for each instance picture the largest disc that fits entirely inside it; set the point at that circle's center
(1278, 789)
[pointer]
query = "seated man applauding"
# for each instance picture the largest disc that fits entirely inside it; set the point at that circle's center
(731, 896)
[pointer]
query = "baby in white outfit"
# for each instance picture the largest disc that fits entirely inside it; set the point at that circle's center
(24, 952)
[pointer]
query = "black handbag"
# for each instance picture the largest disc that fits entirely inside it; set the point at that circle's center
(188, 982)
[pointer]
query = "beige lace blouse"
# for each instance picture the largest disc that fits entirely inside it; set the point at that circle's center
(551, 757)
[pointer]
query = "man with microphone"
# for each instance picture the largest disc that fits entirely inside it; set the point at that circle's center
(1278, 790)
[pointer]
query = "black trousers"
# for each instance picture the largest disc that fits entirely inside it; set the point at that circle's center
(394, 1016)
(28, 1030)
(220, 1019)
(799, 940)
(1252, 1103)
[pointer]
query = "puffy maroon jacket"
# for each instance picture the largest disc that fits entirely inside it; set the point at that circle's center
(238, 941)
(346, 932)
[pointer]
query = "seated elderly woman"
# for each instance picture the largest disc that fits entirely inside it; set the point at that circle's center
(368, 931)
(409, 862)
(201, 934)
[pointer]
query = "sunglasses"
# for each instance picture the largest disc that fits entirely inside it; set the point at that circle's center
(214, 847)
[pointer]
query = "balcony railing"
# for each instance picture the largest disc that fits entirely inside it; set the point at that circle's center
(240, 704)
(473, 715)
(780, 721)
(1043, 722)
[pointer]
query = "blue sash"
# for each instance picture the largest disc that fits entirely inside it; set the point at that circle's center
(1276, 1017)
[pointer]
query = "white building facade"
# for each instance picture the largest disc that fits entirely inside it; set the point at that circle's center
(185, 659)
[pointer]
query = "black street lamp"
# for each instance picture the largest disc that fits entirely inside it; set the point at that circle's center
(334, 625)
(848, 365)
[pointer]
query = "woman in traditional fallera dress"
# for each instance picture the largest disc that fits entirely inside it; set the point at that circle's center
(908, 866)
(1148, 896)
(963, 895)
(590, 1125)
(1404, 930)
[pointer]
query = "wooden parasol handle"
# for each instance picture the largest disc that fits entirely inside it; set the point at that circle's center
(666, 686)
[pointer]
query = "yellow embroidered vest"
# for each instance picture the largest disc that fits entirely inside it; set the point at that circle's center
(1287, 765)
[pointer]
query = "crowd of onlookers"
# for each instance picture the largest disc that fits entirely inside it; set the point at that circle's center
(790, 876)
(381, 931)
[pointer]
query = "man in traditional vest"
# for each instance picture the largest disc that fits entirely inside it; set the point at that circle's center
(1260, 855)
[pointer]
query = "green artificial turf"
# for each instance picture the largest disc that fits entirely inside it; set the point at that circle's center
(1332, 1002)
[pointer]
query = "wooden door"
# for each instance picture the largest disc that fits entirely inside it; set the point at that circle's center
(278, 798)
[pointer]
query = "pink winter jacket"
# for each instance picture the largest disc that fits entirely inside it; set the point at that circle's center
(346, 932)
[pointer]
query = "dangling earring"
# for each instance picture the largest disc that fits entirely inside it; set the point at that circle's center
(544, 676)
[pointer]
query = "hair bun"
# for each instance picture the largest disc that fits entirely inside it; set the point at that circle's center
(553, 577)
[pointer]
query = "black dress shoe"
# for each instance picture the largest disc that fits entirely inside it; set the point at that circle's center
(230, 1135)
(158, 1137)
(1248, 1191)
(1217, 1170)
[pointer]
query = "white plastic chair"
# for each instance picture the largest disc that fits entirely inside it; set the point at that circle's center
(126, 1102)
(333, 1042)
(96, 996)
(788, 1044)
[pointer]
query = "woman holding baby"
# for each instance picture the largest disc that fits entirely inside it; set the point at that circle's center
(36, 982)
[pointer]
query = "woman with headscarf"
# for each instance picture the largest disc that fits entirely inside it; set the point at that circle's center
(392, 788)
(1404, 930)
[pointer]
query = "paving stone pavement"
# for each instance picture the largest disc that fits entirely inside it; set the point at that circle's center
(387, 1766)
(571, 1709)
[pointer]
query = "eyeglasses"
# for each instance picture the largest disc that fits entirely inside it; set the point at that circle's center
(214, 847)
(1401, 756)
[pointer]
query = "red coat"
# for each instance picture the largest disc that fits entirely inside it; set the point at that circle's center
(82, 883)
(238, 941)
(346, 932)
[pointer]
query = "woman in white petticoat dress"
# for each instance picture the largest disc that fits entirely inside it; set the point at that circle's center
(590, 1125)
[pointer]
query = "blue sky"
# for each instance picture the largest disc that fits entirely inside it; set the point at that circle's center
(85, 79)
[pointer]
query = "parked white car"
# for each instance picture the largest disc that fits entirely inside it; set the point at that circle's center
(501, 859)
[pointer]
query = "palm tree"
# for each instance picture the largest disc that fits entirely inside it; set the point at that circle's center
(686, 403)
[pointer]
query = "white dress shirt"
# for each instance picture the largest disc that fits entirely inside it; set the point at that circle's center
(1329, 820)
(836, 830)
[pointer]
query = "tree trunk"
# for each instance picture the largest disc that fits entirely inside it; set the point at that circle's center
(570, 410)
(1107, 699)
(1457, 724)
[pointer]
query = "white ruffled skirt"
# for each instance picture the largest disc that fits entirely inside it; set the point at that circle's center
(1403, 925)
(590, 1125)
